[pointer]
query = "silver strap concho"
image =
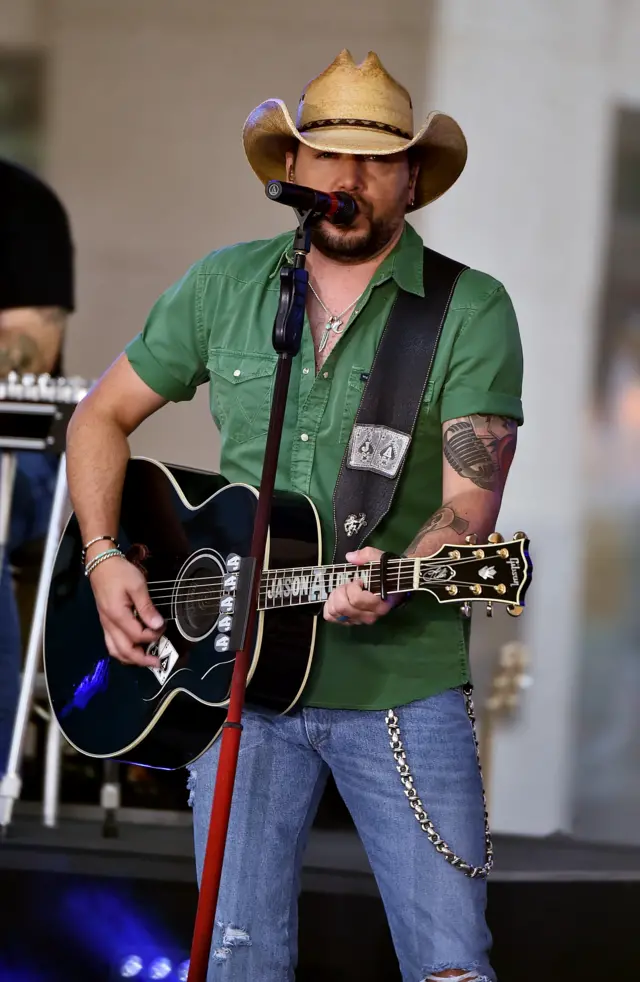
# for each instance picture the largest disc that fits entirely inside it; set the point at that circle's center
(420, 811)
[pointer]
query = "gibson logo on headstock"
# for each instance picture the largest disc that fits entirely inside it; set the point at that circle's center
(515, 571)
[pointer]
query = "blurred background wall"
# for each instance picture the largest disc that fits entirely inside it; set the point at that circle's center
(133, 109)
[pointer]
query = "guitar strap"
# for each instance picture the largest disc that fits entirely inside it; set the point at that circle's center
(390, 405)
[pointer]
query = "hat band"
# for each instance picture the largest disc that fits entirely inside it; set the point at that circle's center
(369, 124)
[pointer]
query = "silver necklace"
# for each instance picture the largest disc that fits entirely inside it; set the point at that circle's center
(335, 322)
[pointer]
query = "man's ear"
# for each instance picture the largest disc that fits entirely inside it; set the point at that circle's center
(290, 158)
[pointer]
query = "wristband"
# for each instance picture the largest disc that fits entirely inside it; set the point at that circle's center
(98, 538)
(100, 558)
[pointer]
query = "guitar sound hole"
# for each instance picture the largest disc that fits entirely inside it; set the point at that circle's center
(197, 595)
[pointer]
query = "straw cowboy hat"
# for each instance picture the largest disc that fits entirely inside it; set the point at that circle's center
(356, 109)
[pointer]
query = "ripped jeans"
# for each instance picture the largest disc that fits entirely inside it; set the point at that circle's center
(436, 914)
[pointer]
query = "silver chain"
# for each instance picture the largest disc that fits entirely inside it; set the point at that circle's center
(420, 811)
(334, 317)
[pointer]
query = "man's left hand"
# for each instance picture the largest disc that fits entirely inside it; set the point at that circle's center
(350, 604)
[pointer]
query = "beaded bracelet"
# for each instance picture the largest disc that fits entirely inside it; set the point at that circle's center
(98, 538)
(100, 558)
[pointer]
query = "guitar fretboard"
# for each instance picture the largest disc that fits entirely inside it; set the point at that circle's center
(291, 587)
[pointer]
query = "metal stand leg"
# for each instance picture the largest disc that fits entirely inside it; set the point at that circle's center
(52, 768)
(11, 784)
(110, 799)
(7, 478)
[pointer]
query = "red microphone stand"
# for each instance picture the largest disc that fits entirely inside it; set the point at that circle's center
(287, 334)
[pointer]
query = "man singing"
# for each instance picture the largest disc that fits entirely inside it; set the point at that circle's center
(354, 133)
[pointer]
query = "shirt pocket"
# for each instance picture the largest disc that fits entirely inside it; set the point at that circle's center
(241, 390)
(355, 387)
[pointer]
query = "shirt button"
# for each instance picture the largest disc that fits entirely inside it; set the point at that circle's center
(325, 374)
(237, 372)
(304, 437)
(305, 371)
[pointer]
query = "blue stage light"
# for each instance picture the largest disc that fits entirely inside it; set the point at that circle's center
(131, 967)
(160, 968)
(183, 971)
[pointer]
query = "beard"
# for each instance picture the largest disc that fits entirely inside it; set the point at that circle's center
(356, 245)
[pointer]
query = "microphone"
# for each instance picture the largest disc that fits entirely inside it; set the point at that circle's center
(338, 207)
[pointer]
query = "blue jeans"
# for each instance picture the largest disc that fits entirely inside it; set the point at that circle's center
(31, 505)
(436, 914)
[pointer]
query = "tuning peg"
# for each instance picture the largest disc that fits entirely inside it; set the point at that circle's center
(489, 609)
(514, 610)
(471, 539)
(520, 535)
(496, 537)
(465, 610)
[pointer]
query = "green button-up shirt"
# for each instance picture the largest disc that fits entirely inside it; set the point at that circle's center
(215, 326)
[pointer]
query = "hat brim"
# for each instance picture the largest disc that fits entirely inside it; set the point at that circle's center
(439, 146)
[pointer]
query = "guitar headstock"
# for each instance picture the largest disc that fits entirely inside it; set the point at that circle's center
(491, 572)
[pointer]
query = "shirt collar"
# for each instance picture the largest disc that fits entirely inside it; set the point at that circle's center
(403, 264)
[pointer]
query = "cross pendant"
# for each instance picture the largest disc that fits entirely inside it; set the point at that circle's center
(334, 324)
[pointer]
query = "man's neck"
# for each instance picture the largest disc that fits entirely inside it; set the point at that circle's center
(324, 269)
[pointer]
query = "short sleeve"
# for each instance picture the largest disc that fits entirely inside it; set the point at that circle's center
(168, 354)
(485, 368)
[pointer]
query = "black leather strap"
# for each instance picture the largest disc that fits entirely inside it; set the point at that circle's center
(390, 405)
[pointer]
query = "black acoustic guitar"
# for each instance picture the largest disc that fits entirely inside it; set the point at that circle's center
(189, 532)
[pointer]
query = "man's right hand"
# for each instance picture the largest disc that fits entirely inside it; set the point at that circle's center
(129, 619)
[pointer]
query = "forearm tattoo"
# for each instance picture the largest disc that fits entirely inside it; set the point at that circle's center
(444, 518)
(481, 448)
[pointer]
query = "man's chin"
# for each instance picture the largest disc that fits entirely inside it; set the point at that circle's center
(341, 242)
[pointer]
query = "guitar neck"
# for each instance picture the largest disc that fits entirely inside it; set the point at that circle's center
(312, 585)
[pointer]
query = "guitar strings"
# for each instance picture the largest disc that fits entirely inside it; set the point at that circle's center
(198, 588)
(301, 570)
(293, 602)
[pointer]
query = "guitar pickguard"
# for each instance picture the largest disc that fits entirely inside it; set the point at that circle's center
(165, 651)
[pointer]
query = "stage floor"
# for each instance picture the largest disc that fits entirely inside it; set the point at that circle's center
(160, 847)
(558, 909)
